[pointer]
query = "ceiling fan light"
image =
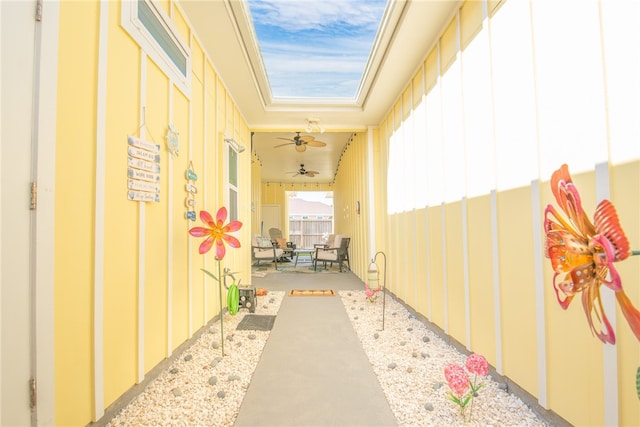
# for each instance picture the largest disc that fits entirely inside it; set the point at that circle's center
(313, 123)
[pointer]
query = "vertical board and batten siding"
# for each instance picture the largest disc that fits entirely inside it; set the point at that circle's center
(516, 278)
(137, 294)
(140, 293)
(485, 282)
(120, 231)
(74, 274)
(157, 218)
(571, 339)
(351, 170)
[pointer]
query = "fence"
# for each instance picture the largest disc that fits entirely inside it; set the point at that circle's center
(306, 232)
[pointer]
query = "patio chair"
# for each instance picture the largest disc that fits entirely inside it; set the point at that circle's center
(338, 254)
(327, 242)
(263, 250)
(281, 242)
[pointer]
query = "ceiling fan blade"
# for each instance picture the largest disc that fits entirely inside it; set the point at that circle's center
(286, 139)
(282, 145)
(310, 174)
(306, 138)
(313, 172)
(316, 143)
(301, 148)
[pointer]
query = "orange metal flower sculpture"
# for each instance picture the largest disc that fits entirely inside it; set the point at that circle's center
(216, 232)
(582, 255)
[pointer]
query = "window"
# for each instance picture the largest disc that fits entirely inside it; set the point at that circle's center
(152, 29)
(232, 182)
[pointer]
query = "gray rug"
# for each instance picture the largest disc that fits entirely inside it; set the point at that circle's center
(256, 322)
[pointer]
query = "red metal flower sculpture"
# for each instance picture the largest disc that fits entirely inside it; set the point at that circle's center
(582, 255)
(216, 232)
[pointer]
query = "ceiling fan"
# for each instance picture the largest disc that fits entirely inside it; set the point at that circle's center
(303, 171)
(301, 142)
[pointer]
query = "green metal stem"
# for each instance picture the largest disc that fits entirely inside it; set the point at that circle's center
(221, 312)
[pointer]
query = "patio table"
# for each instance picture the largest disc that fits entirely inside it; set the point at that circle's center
(303, 251)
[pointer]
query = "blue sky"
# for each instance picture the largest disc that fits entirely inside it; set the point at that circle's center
(315, 48)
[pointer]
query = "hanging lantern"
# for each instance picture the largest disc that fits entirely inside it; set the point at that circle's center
(373, 277)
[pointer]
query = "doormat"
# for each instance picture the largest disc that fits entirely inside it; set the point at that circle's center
(256, 322)
(311, 293)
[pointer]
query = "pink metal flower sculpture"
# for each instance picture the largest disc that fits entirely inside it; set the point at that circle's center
(216, 232)
(582, 255)
(463, 390)
(457, 379)
(371, 293)
(477, 364)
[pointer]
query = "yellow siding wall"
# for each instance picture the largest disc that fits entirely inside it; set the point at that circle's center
(139, 267)
(180, 299)
(156, 244)
(196, 280)
(455, 272)
(121, 240)
(513, 316)
(482, 321)
(352, 186)
(420, 263)
(515, 252)
(256, 194)
(578, 346)
(436, 271)
(104, 263)
(628, 206)
(74, 227)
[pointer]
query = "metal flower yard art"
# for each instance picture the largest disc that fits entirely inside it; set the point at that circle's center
(462, 388)
(583, 253)
(216, 233)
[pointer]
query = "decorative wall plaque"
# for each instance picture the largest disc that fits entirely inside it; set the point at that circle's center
(192, 190)
(143, 172)
(173, 142)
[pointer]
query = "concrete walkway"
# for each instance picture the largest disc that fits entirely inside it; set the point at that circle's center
(313, 370)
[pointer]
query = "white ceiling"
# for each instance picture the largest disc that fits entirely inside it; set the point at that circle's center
(409, 30)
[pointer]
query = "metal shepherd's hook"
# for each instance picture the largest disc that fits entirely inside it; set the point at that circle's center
(373, 278)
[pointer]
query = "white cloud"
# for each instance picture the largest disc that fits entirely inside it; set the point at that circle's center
(314, 48)
(307, 14)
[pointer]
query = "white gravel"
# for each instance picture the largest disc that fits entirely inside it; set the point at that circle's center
(183, 395)
(409, 360)
(186, 393)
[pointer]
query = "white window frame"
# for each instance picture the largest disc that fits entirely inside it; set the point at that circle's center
(234, 211)
(136, 29)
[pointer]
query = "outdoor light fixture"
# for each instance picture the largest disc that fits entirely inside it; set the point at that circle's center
(235, 145)
(314, 123)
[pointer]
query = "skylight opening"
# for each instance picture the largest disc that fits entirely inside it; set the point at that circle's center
(314, 49)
